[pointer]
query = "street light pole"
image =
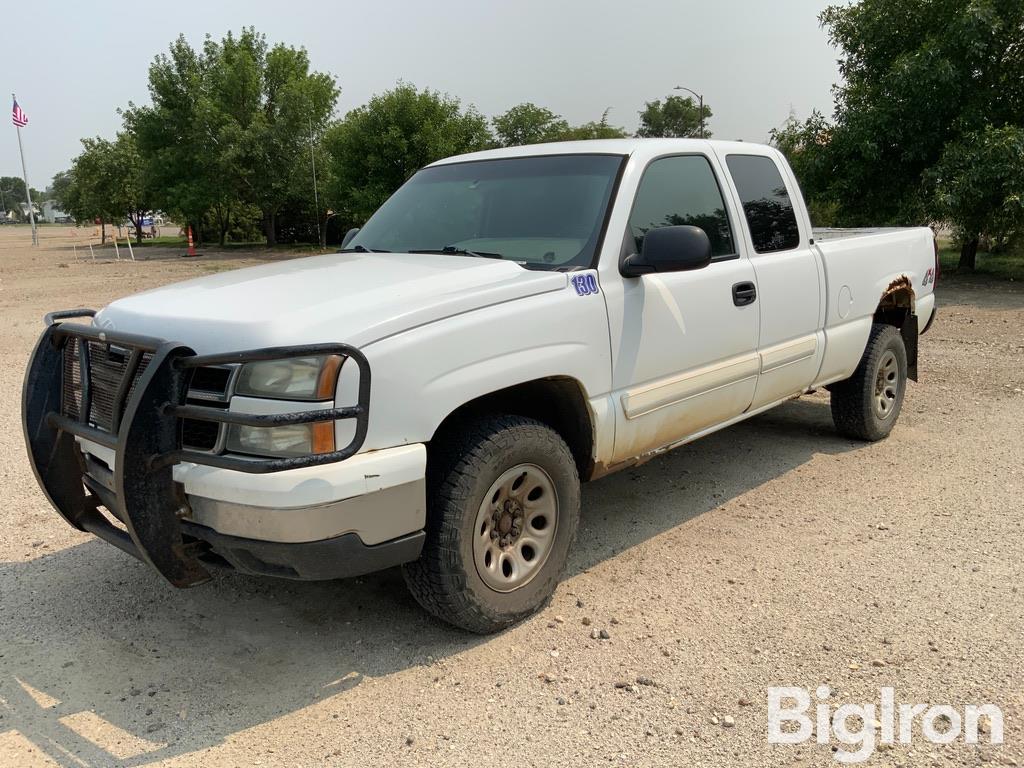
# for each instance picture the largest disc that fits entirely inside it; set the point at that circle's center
(700, 99)
(320, 236)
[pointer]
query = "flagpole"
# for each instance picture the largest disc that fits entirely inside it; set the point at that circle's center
(24, 175)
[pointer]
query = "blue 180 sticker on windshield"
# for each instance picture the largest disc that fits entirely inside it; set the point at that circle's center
(585, 284)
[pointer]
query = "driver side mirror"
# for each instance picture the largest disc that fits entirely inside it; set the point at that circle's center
(669, 249)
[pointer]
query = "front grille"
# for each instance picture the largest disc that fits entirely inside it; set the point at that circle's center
(108, 366)
(212, 379)
(71, 401)
(208, 387)
(199, 435)
(143, 363)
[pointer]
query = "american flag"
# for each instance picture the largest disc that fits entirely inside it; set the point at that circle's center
(18, 117)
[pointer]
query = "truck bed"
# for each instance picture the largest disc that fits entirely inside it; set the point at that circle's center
(844, 233)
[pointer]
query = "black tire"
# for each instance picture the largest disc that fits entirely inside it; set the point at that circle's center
(463, 465)
(857, 409)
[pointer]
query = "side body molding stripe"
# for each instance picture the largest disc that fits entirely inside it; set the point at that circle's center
(788, 352)
(659, 394)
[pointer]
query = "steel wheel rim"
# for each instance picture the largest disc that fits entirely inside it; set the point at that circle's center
(515, 528)
(887, 385)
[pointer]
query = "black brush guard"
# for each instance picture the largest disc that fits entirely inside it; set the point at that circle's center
(145, 435)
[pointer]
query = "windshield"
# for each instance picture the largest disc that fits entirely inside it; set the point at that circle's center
(544, 212)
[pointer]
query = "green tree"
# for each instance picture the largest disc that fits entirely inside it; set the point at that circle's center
(130, 192)
(229, 128)
(528, 124)
(94, 178)
(595, 129)
(292, 108)
(64, 189)
(919, 78)
(806, 147)
(677, 117)
(378, 146)
(979, 187)
(105, 182)
(12, 192)
(178, 136)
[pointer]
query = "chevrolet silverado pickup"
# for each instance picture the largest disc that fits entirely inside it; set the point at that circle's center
(508, 324)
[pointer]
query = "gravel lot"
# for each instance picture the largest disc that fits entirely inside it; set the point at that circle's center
(772, 553)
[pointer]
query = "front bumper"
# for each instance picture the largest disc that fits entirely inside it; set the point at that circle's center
(136, 416)
(378, 495)
(340, 557)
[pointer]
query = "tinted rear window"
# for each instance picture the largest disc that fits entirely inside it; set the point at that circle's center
(766, 202)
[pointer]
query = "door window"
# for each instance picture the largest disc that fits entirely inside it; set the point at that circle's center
(682, 190)
(766, 203)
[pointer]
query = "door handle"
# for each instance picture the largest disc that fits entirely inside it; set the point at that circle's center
(744, 293)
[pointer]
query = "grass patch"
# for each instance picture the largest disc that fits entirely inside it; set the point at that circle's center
(1008, 265)
(257, 245)
(162, 242)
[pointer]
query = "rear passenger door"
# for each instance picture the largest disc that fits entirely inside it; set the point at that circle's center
(684, 350)
(789, 276)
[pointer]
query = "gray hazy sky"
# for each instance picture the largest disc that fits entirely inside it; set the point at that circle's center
(73, 66)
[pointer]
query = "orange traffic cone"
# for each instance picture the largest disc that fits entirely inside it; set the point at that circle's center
(191, 244)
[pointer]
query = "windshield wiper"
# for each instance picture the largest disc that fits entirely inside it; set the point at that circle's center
(360, 249)
(452, 250)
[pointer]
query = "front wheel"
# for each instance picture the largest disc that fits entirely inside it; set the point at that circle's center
(866, 405)
(502, 509)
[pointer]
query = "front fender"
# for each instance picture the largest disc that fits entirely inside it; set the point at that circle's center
(424, 374)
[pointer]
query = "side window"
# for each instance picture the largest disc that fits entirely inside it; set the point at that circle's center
(682, 190)
(766, 202)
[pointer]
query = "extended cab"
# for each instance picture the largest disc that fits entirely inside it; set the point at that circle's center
(507, 324)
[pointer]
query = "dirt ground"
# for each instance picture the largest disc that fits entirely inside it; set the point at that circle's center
(773, 553)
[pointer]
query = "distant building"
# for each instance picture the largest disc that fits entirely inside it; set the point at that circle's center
(23, 211)
(53, 214)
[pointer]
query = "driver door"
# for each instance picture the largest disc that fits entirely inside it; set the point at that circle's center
(684, 351)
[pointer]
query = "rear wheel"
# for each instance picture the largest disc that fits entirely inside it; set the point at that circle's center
(866, 405)
(502, 510)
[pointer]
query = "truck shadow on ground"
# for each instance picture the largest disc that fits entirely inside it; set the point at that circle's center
(101, 663)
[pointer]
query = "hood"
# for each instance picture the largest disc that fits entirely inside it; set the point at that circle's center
(353, 298)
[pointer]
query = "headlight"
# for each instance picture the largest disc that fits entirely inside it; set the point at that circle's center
(299, 378)
(291, 440)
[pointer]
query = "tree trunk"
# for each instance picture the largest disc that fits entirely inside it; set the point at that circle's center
(103, 233)
(269, 227)
(223, 220)
(322, 229)
(968, 255)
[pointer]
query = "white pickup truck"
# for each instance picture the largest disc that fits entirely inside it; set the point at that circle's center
(531, 317)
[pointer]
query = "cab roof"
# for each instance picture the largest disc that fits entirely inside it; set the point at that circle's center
(624, 147)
